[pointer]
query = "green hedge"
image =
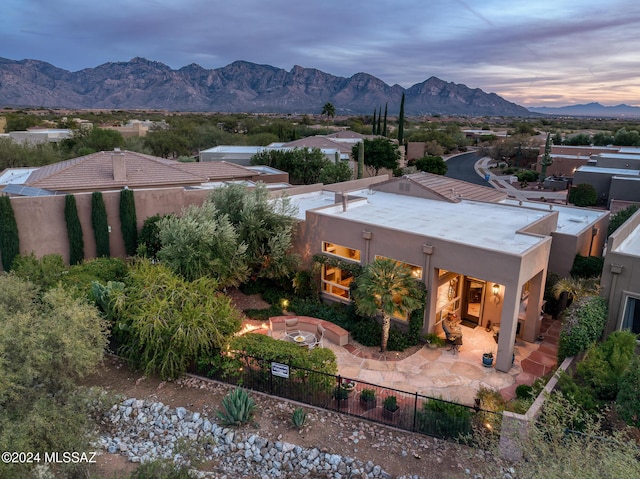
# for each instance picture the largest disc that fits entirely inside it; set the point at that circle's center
(583, 325)
(74, 230)
(100, 224)
(128, 221)
(9, 239)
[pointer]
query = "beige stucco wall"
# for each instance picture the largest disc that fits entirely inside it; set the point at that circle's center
(42, 228)
(620, 273)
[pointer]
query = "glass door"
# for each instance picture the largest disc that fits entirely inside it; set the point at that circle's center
(474, 296)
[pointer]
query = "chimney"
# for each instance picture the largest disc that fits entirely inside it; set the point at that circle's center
(119, 168)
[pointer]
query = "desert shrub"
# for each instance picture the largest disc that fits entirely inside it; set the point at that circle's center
(627, 403)
(44, 272)
(591, 453)
(196, 319)
(553, 304)
(524, 391)
(583, 325)
(605, 364)
(616, 220)
(161, 469)
(274, 350)
(80, 276)
(527, 175)
(490, 399)
(444, 419)
(579, 394)
(587, 266)
(149, 238)
(583, 195)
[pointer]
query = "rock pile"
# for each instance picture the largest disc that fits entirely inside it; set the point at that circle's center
(145, 430)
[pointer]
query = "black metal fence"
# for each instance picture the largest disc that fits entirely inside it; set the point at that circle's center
(412, 411)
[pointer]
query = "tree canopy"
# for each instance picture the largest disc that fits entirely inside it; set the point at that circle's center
(432, 164)
(48, 340)
(266, 226)
(379, 153)
(386, 287)
(165, 323)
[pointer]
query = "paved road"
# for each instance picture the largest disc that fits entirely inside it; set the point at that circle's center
(460, 167)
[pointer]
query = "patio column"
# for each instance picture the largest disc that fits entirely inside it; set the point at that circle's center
(367, 235)
(427, 250)
(534, 306)
(508, 326)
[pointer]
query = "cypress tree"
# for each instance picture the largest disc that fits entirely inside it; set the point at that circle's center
(401, 122)
(100, 225)
(384, 128)
(379, 130)
(74, 230)
(361, 160)
(9, 239)
(128, 221)
(373, 124)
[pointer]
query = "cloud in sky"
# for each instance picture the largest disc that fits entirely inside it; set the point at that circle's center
(532, 53)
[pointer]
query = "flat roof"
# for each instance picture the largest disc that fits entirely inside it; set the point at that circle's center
(620, 156)
(631, 244)
(234, 149)
(571, 219)
(491, 226)
(608, 171)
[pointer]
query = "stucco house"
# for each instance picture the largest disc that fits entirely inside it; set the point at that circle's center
(480, 259)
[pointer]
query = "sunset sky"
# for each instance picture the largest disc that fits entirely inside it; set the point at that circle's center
(542, 53)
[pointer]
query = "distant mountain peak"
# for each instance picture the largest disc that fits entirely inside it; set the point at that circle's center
(241, 86)
(593, 109)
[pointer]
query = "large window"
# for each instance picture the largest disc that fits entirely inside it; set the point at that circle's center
(341, 251)
(631, 315)
(336, 281)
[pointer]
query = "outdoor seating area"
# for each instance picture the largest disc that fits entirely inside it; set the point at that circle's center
(453, 333)
(314, 331)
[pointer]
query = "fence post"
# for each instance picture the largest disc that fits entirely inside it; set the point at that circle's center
(415, 411)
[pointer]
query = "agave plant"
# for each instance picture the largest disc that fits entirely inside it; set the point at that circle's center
(299, 417)
(238, 408)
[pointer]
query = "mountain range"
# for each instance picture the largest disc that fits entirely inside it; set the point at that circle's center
(592, 110)
(238, 87)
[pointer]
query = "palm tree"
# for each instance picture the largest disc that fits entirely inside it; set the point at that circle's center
(576, 288)
(329, 110)
(385, 287)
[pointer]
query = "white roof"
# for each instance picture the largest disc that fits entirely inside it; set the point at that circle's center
(485, 225)
(620, 156)
(15, 176)
(631, 244)
(571, 219)
(608, 171)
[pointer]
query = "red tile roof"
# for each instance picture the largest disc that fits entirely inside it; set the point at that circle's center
(96, 172)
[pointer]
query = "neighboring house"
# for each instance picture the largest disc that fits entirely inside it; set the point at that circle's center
(114, 170)
(241, 155)
(615, 176)
(35, 136)
(620, 278)
(567, 159)
(335, 146)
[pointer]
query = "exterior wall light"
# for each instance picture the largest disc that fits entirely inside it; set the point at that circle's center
(496, 289)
